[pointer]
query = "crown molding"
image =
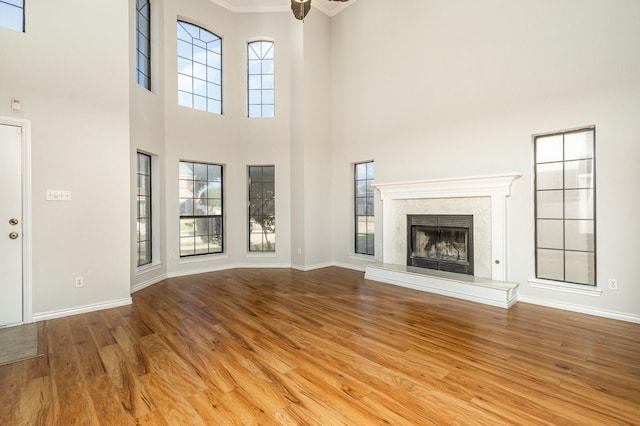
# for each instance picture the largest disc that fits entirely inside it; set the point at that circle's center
(321, 6)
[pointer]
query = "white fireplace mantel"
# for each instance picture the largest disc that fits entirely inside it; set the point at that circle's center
(497, 187)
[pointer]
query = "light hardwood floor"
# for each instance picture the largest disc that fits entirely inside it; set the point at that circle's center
(324, 347)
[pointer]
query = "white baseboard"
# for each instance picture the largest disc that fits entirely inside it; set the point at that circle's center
(186, 273)
(353, 267)
(42, 316)
(227, 267)
(307, 268)
(148, 283)
(581, 309)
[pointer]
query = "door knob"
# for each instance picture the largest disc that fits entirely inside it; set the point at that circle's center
(13, 235)
(13, 221)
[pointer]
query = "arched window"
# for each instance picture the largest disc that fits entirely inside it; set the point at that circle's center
(260, 79)
(199, 68)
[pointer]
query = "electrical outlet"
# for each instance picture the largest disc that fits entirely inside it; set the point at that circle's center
(613, 284)
(79, 282)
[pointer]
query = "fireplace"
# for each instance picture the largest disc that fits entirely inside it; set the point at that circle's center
(441, 242)
(482, 197)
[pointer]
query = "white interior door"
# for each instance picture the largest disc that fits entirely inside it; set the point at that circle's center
(11, 303)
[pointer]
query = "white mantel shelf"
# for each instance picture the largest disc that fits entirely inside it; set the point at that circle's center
(470, 186)
(493, 291)
(482, 290)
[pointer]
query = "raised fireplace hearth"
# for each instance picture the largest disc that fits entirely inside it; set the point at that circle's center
(440, 242)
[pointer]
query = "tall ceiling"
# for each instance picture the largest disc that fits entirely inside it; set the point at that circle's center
(330, 8)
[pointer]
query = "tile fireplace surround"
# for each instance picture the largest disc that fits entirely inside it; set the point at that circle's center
(483, 196)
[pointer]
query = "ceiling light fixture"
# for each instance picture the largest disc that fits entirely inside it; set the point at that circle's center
(300, 8)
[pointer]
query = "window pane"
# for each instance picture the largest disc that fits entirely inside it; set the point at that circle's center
(549, 148)
(549, 204)
(550, 264)
(580, 267)
(187, 246)
(199, 71)
(579, 204)
(199, 87)
(255, 97)
(361, 244)
(185, 99)
(200, 103)
(255, 82)
(578, 174)
(361, 206)
(185, 66)
(214, 106)
(267, 66)
(549, 176)
(550, 234)
(214, 59)
(255, 67)
(268, 97)
(267, 82)
(578, 145)
(185, 83)
(185, 50)
(579, 235)
(268, 111)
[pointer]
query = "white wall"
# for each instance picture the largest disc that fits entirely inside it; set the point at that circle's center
(437, 89)
(463, 83)
(316, 161)
(230, 139)
(70, 69)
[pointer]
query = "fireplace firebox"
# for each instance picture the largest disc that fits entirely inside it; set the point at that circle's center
(441, 242)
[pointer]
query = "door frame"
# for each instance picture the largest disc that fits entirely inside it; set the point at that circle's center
(25, 126)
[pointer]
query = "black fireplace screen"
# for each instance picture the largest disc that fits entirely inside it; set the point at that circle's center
(442, 242)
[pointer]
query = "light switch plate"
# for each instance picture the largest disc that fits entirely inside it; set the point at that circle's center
(58, 195)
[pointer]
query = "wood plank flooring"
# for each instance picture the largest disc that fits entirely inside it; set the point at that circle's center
(324, 347)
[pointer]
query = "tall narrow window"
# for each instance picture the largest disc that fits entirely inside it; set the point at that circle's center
(262, 208)
(12, 14)
(199, 68)
(364, 223)
(260, 78)
(143, 43)
(565, 206)
(201, 230)
(144, 209)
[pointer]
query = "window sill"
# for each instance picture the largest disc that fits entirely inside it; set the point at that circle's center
(202, 258)
(566, 287)
(365, 257)
(260, 254)
(148, 268)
